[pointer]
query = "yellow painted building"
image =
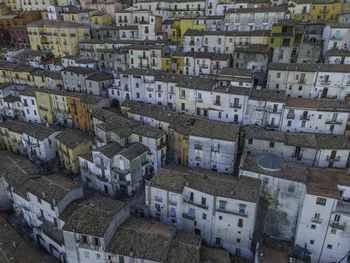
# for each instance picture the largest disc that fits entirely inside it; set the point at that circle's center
(178, 145)
(71, 143)
(39, 78)
(180, 27)
(311, 10)
(10, 5)
(100, 18)
(61, 38)
(4, 10)
(11, 137)
(166, 64)
(44, 106)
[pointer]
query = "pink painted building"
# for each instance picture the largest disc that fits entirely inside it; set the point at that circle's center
(109, 7)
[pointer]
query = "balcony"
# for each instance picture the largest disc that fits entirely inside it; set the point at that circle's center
(335, 159)
(43, 108)
(173, 202)
(102, 178)
(343, 207)
(63, 35)
(316, 220)
(198, 147)
(217, 103)
(158, 198)
(337, 225)
(142, 57)
(187, 216)
(305, 117)
(334, 122)
(203, 66)
(290, 116)
(73, 35)
(220, 210)
(259, 108)
(283, 34)
(235, 105)
(199, 100)
(325, 82)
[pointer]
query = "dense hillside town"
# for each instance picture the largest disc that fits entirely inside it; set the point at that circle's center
(175, 131)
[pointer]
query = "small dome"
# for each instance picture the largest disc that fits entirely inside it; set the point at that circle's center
(270, 162)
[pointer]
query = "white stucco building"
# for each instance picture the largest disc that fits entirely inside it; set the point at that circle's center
(219, 208)
(322, 230)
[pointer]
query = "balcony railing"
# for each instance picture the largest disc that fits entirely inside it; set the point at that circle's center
(305, 117)
(187, 216)
(337, 225)
(198, 147)
(236, 106)
(316, 220)
(217, 103)
(203, 66)
(335, 159)
(158, 198)
(190, 201)
(232, 212)
(335, 122)
(325, 82)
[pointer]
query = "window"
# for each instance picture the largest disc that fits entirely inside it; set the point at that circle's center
(39, 200)
(313, 226)
(220, 217)
(329, 246)
(278, 75)
(333, 231)
(84, 239)
(96, 241)
(204, 201)
(218, 241)
(266, 180)
(238, 240)
(250, 141)
(222, 204)
(312, 242)
(52, 207)
(317, 215)
(272, 144)
(321, 201)
(337, 218)
(242, 208)
(98, 256)
(240, 222)
(204, 216)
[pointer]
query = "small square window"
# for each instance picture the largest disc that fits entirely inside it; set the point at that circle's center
(329, 246)
(238, 240)
(204, 216)
(220, 217)
(312, 242)
(313, 226)
(272, 144)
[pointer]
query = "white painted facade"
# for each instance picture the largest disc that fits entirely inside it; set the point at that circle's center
(30, 108)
